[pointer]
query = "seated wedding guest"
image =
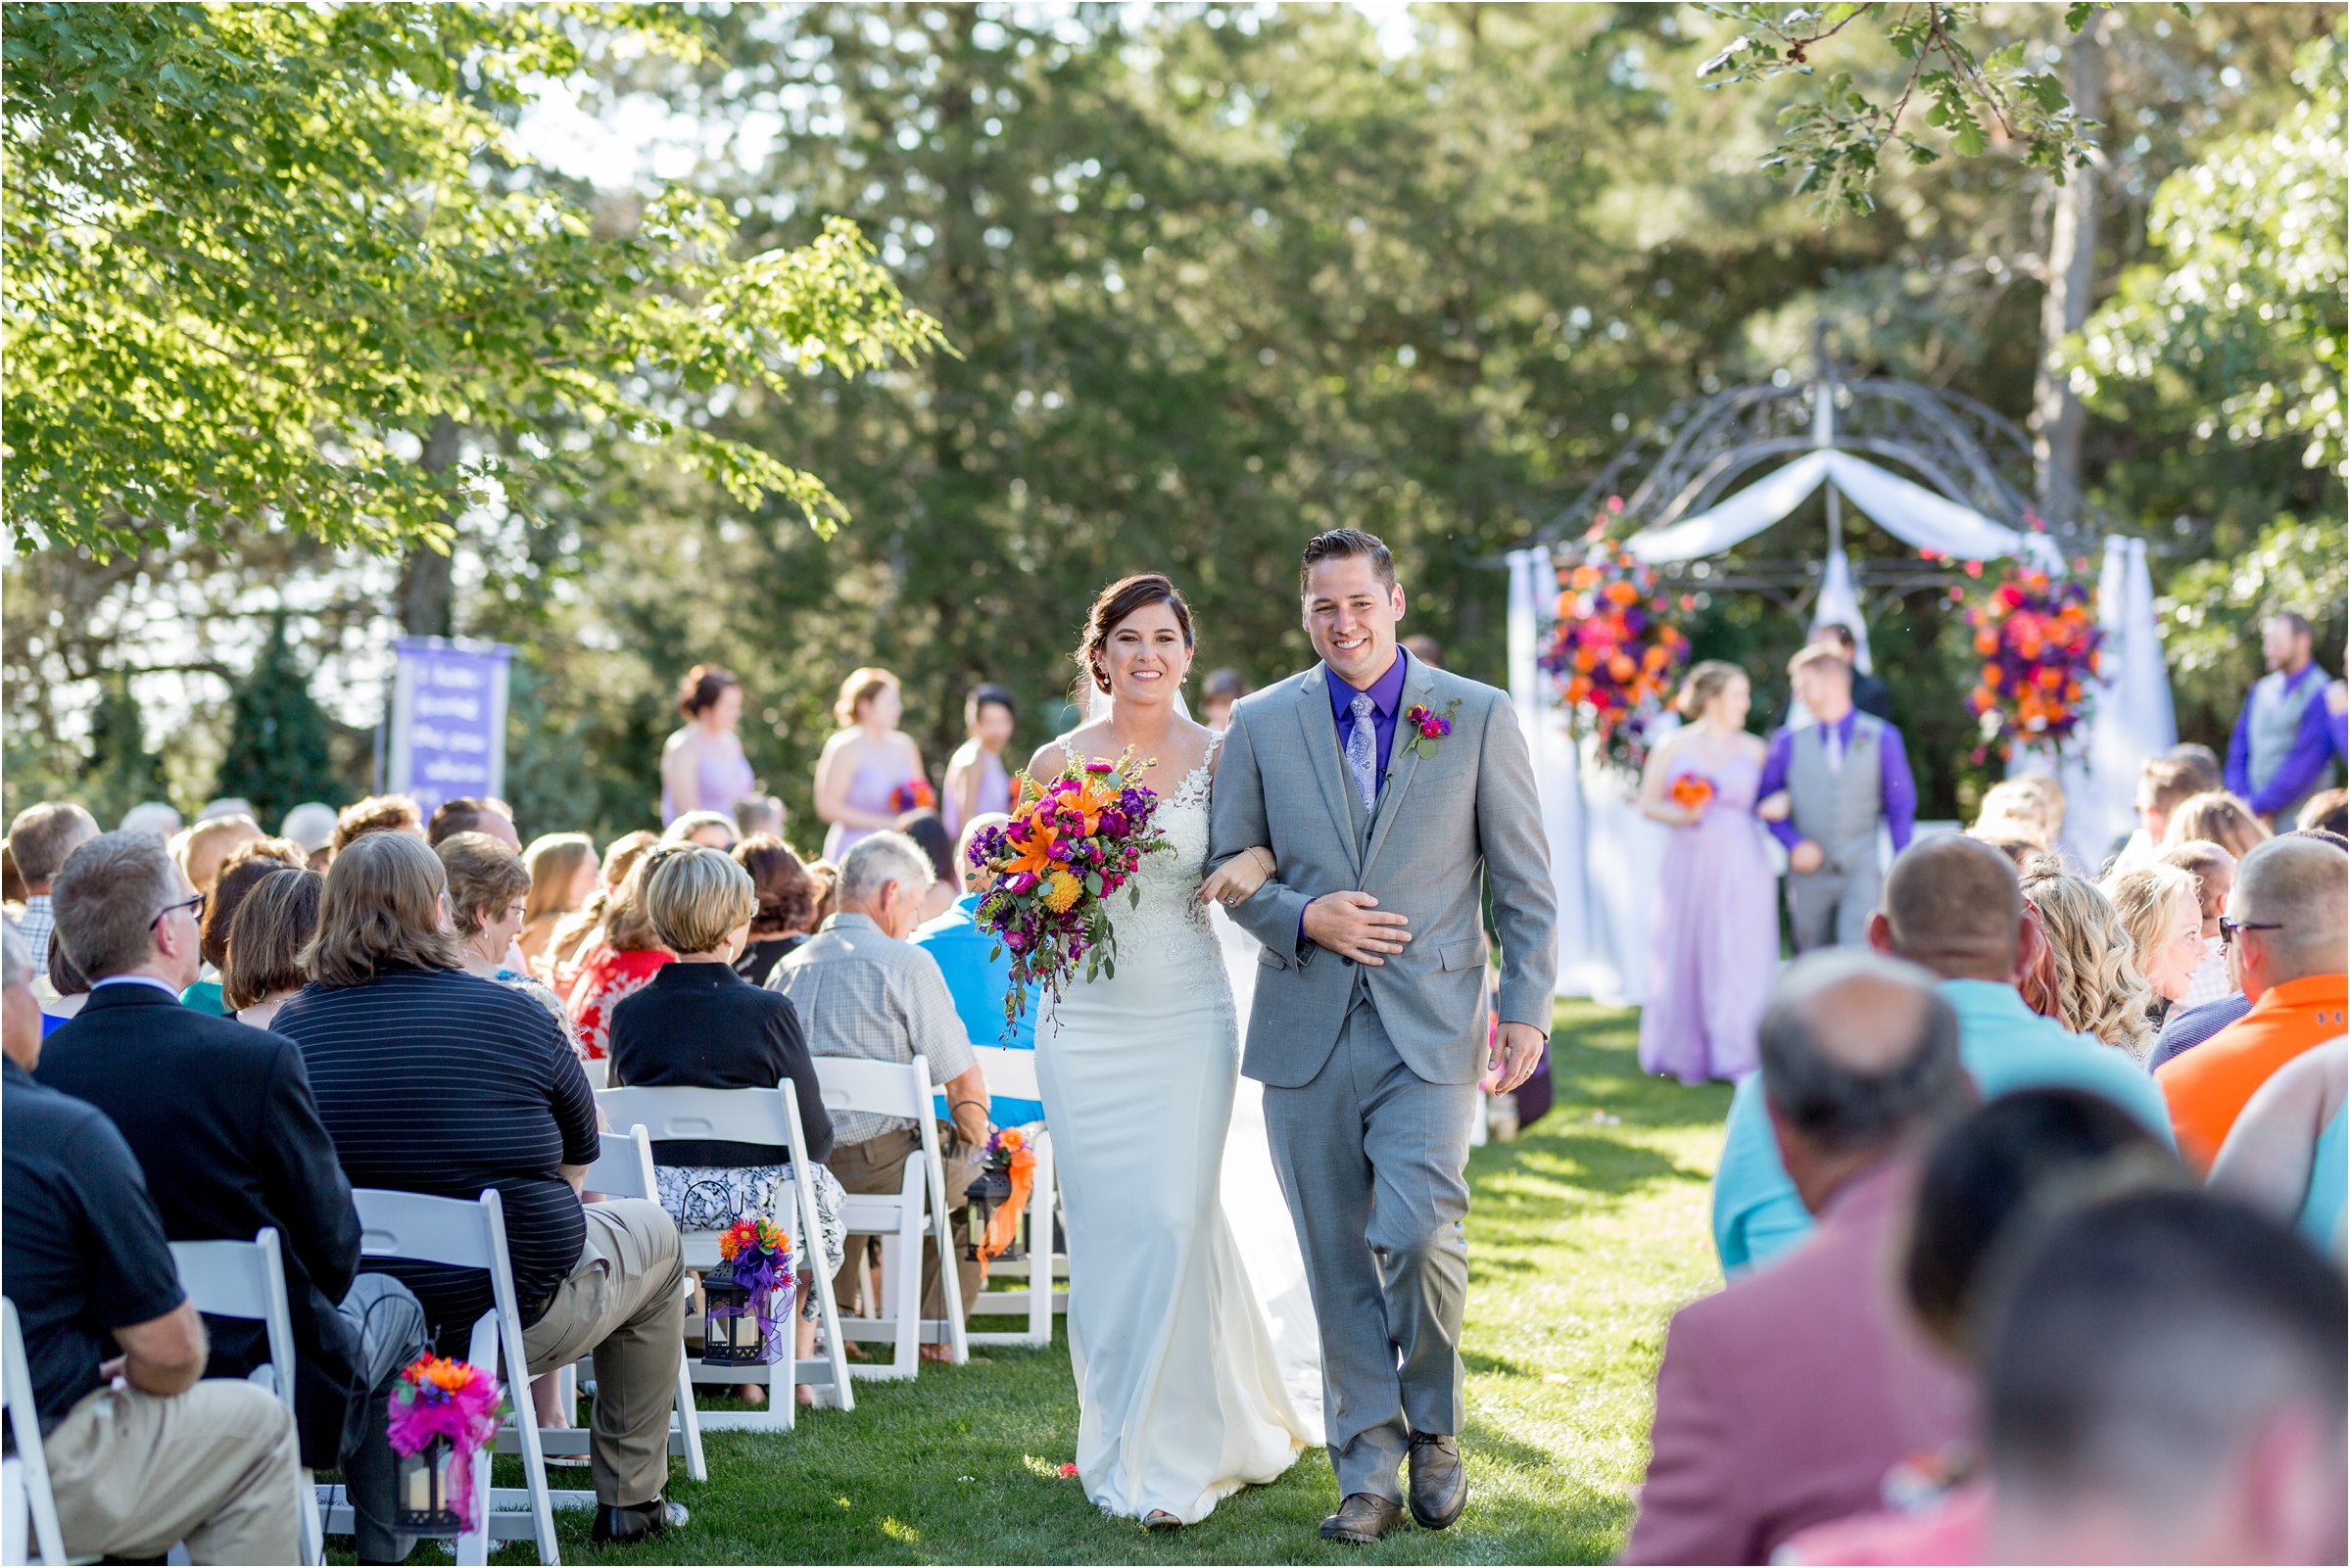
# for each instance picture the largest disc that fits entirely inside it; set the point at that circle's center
(977, 982)
(2006, 1163)
(377, 814)
(241, 872)
(626, 952)
(2102, 993)
(2165, 782)
(2028, 807)
(41, 837)
(1950, 904)
(827, 878)
(69, 990)
(1425, 649)
(2290, 1150)
(862, 990)
(712, 830)
(225, 806)
(488, 893)
(204, 849)
(2160, 911)
(1783, 1401)
(311, 824)
(2327, 811)
(930, 833)
(2214, 871)
(142, 1455)
(576, 932)
(220, 1119)
(758, 814)
(2287, 922)
(2220, 817)
(154, 817)
(12, 885)
(785, 916)
(698, 1024)
(434, 1081)
(2163, 1380)
(265, 940)
(467, 813)
(562, 871)
(976, 780)
(1218, 693)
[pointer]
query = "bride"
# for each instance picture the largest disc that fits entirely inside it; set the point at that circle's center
(1179, 1384)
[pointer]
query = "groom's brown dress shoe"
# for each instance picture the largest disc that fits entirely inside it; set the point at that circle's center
(1439, 1486)
(1361, 1519)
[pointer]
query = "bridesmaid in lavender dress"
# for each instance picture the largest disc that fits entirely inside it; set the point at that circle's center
(870, 773)
(976, 781)
(1715, 949)
(702, 766)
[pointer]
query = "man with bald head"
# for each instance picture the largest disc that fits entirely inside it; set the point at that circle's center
(1953, 906)
(1784, 1399)
(2287, 927)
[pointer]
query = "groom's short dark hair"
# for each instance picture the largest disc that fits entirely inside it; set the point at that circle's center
(1341, 543)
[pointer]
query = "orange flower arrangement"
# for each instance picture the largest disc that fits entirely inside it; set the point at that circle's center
(1691, 791)
(2038, 639)
(1612, 650)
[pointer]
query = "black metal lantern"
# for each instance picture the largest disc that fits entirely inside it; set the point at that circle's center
(983, 1197)
(422, 1506)
(731, 1335)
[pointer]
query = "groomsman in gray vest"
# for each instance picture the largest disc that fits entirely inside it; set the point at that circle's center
(2270, 721)
(1842, 775)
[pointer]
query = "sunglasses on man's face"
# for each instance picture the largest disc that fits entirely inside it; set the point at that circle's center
(2229, 928)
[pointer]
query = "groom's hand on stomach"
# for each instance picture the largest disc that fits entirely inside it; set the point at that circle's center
(1352, 925)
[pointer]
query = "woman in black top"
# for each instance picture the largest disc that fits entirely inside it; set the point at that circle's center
(787, 907)
(697, 1023)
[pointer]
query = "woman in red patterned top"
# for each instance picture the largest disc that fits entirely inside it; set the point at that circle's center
(621, 959)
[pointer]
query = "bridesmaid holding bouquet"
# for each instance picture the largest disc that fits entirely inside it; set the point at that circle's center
(1716, 948)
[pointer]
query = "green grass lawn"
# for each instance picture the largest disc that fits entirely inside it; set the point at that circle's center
(1585, 1233)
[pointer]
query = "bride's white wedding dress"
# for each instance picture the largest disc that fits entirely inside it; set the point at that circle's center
(1180, 1389)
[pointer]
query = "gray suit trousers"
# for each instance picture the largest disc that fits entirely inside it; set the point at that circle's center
(1831, 908)
(1371, 1157)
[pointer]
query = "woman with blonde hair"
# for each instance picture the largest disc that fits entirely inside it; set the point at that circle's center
(576, 932)
(870, 773)
(2099, 990)
(626, 954)
(1715, 944)
(562, 871)
(2159, 909)
(2220, 817)
(2030, 808)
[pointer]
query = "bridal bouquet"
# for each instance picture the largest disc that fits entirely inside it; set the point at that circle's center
(1072, 845)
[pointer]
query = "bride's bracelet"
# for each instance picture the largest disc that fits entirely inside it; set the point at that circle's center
(1264, 858)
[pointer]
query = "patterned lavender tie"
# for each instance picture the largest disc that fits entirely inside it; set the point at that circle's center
(1362, 751)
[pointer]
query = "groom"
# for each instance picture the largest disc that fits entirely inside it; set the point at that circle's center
(1383, 786)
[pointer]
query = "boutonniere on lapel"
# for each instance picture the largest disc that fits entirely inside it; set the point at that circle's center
(1428, 726)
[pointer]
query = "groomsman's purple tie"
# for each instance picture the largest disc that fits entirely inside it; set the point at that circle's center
(1362, 750)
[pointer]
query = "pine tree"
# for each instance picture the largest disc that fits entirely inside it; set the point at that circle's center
(123, 773)
(278, 752)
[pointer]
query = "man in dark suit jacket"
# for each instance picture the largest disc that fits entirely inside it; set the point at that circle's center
(221, 1120)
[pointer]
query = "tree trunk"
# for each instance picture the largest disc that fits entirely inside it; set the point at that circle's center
(425, 601)
(2071, 273)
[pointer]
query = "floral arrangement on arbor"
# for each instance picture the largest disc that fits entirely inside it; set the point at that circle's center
(1613, 650)
(2038, 639)
(1072, 845)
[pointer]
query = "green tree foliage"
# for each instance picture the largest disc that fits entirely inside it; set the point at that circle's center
(123, 772)
(255, 250)
(279, 749)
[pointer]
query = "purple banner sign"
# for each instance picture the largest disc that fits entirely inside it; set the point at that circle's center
(446, 727)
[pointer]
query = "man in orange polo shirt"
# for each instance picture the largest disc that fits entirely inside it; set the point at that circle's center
(2287, 926)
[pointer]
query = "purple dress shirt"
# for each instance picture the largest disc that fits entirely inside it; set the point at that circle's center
(1897, 791)
(2320, 740)
(2236, 773)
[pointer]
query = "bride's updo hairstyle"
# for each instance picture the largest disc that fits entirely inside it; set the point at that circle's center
(1705, 682)
(1118, 601)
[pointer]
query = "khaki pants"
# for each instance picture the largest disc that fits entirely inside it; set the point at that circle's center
(216, 1467)
(625, 1304)
(878, 1166)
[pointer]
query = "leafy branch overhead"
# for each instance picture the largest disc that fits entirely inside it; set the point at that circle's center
(1836, 142)
(256, 250)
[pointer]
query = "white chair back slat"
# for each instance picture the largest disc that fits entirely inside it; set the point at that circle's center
(247, 1279)
(29, 1469)
(1010, 1073)
(883, 1088)
(624, 1168)
(901, 1089)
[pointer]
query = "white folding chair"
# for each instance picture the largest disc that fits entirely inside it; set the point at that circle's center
(624, 1169)
(470, 1233)
(247, 1280)
(747, 1115)
(598, 1071)
(27, 1479)
(900, 1220)
(1013, 1073)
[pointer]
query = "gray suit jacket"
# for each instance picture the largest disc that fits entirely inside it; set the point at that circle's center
(1282, 783)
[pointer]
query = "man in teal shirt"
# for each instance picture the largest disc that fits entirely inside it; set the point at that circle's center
(1952, 905)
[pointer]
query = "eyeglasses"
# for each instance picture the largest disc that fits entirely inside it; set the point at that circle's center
(194, 906)
(2229, 928)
